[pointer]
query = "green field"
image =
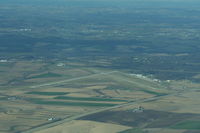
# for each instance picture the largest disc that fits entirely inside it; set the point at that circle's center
(47, 93)
(46, 75)
(63, 103)
(133, 130)
(89, 99)
(187, 125)
(154, 92)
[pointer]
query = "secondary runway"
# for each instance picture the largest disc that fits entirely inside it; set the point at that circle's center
(73, 79)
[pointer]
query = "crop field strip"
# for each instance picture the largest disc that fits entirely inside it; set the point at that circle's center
(76, 101)
(187, 125)
(47, 93)
(89, 99)
(68, 103)
(45, 75)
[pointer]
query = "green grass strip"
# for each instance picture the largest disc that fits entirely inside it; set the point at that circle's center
(46, 75)
(89, 99)
(63, 103)
(133, 130)
(154, 93)
(47, 93)
(187, 125)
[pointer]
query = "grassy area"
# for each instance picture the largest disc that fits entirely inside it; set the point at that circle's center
(133, 130)
(153, 92)
(5, 64)
(62, 103)
(3, 98)
(115, 87)
(187, 125)
(46, 75)
(47, 93)
(89, 99)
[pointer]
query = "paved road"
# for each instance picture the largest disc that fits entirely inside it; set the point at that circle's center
(73, 79)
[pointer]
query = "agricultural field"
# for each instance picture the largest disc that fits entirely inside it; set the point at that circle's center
(86, 127)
